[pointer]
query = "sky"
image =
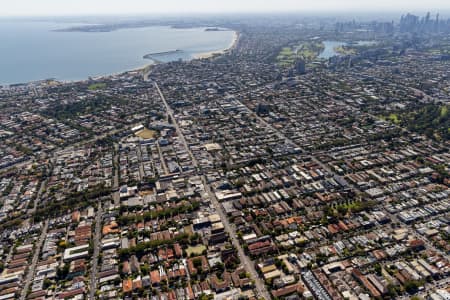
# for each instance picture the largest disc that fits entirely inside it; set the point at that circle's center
(114, 7)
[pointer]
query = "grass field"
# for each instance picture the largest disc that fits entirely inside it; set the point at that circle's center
(196, 250)
(345, 50)
(286, 57)
(97, 86)
(146, 134)
(308, 51)
(394, 118)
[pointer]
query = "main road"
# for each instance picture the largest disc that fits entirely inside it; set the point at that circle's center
(32, 268)
(116, 165)
(245, 260)
(94, 259)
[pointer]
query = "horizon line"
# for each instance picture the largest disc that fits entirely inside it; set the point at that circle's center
(229, 13)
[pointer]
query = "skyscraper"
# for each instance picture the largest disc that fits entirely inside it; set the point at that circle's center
(300, 66)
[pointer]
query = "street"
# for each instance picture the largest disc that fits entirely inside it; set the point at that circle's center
(94, 260)
(116, 195)
(247, 263)
(32, 268)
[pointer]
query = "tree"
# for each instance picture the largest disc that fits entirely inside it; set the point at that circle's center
(145, 269)
(197, 262)
(206, 297)
(377, 268)
(220, 266)
(342, 210)
(47, 283)
(411, 286)
(61, 273)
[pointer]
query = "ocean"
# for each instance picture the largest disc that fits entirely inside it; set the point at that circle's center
(31, 51)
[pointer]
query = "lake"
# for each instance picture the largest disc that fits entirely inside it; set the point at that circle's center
(329, 51)
(32, 51)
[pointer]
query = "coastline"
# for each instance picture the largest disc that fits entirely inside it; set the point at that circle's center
(152, 62)
(202, 55)
(205, 55)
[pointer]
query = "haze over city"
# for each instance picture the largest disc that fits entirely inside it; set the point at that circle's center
(100, 7)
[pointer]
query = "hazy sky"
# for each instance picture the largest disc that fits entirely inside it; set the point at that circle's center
(94, 7)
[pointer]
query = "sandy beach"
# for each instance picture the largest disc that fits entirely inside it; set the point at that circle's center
(218, 52)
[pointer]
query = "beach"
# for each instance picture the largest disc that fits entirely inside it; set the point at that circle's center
(209, 54)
